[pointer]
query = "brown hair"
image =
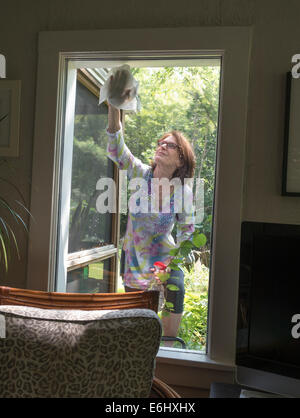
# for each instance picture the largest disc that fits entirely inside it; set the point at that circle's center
(186, 156)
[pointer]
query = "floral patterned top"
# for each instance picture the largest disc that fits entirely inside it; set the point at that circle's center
(148, 236)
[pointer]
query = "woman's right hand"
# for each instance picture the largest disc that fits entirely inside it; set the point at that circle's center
(117, 85)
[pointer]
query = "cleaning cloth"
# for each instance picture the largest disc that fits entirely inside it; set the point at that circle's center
(120, 89)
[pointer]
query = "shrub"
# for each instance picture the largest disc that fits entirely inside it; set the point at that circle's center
(193, 325)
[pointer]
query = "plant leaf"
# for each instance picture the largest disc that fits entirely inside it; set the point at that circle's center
(185, 251)
(186, 244)
(177, 260)
(4, 252)
(174, 252)
(8, 230)
(163, 277)
(24, 207)
(15, 215)
(174, 266)
(23, 223)
(15, 241)
(172, 287)
(199, 240)
(8, 207)
(4, 223)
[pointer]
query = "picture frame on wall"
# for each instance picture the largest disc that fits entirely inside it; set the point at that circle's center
(10, 95)
(291, 148)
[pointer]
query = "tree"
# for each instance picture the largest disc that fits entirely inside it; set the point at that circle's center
(181, 98)
(185, 99)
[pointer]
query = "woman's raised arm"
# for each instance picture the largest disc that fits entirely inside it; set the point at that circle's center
(113, 119)
(118, 151)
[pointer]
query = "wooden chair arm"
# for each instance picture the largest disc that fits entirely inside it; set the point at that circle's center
(162, 390)
(85, 301)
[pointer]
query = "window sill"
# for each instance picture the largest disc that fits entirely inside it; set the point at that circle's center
(190, 358)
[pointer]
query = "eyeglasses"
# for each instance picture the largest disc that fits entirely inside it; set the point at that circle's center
(170, 145)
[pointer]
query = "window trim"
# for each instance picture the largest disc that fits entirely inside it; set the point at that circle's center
(233, 43)
(87, 81)
(83, 258)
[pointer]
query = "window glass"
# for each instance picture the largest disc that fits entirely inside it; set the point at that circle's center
(88, 228)
(186, 99)
(182, 98)
(92, 278)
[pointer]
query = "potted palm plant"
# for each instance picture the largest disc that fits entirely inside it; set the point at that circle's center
(10, 218)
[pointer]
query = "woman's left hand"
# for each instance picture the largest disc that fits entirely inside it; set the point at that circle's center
(155, 271)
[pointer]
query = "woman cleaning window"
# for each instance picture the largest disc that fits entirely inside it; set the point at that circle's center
(148, 237)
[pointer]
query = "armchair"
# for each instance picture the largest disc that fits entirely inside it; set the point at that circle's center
(79, 345)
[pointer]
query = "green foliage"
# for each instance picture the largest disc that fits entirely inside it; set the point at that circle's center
(194, 319)
(185, 254)
(9, 216)
(181, 254)
(193, 325)
(185, 99)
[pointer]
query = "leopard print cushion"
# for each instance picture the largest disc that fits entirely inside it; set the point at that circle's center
(72, 353)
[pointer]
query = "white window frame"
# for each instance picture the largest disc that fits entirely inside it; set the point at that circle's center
(63, 262)
(233, 44)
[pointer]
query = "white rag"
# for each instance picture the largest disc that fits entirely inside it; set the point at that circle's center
(113, 91)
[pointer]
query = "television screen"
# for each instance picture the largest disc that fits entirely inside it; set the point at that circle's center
(268, 334)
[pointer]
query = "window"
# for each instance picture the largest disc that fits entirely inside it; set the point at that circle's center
(84, 235)
(179, 93)
(233, 44)
(184, 96)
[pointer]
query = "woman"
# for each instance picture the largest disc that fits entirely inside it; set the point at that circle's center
(148, 237)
